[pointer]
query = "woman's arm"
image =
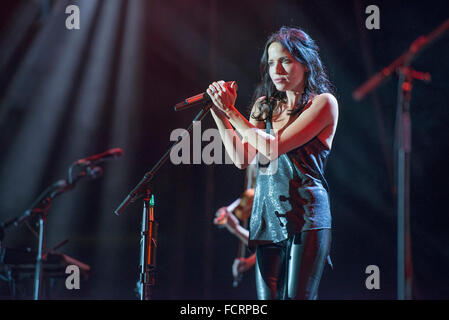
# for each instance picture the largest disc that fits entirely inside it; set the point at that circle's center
(322, 113)
(241, 152)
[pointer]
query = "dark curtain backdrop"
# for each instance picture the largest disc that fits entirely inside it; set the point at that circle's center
(67, 94)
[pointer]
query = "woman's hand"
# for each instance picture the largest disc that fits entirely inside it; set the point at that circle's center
(223, 96)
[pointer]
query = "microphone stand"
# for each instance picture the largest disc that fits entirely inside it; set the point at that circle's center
(40, 208)
(40, 255)
(148, 242)
(403, 148)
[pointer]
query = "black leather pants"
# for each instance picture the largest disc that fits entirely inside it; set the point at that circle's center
(292, 269)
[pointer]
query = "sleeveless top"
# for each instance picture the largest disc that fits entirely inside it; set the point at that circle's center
(291, 194)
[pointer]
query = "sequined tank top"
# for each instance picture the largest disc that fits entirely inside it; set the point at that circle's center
(291, 194)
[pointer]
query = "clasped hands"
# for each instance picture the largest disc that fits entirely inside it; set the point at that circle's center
(223, 96)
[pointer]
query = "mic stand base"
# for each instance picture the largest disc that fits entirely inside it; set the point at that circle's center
(148, 244)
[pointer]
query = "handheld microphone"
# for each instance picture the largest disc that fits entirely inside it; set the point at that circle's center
(97, 158)
(200, 100)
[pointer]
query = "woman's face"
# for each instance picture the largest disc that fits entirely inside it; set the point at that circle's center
(285, 71)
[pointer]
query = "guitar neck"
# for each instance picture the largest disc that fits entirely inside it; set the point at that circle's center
(241, 250)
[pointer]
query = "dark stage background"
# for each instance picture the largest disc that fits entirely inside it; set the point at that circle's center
(67, 94)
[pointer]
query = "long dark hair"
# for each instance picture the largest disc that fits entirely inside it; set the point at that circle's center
(304, 50)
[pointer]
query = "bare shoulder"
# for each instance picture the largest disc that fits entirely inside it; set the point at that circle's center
(327, 103)
(326, 99)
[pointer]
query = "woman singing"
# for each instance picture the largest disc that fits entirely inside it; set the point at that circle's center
(292, 125)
